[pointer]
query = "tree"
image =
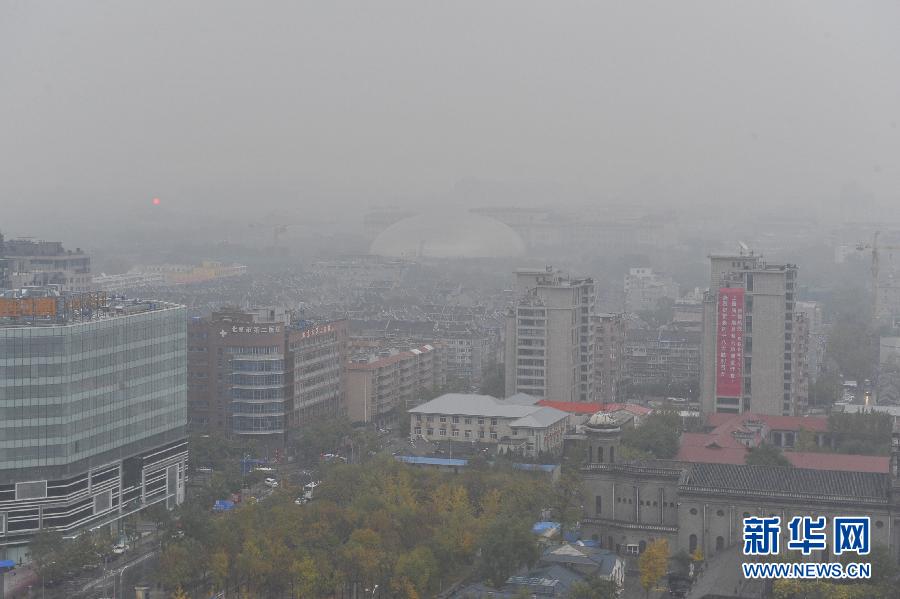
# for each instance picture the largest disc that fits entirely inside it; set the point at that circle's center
(493, 379)
(567, 499)
(507, 545)
(806, 441)
(180, 594)
(594, 588)
(861, 432)
(653, 564)
(658, 435)
(765, 455)
(826, 390)
(419, 568)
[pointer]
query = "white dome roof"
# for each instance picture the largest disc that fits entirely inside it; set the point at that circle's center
(448, 235)
(601, 419)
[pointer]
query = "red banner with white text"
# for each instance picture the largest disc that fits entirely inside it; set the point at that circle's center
(730, 342)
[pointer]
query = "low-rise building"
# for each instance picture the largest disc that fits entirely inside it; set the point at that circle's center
(383, 382)
(514, 424)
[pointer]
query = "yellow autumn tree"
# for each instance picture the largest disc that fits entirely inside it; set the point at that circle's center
(653, 564)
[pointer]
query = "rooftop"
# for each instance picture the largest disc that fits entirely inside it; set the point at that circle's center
(816, 485)
(42, 307)
(465, 404)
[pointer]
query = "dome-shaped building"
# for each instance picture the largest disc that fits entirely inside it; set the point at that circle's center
(448, 235)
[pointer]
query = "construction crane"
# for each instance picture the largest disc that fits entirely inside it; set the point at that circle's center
(877, 286)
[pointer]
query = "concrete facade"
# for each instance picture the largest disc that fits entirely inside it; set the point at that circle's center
(381, 384)
(549, 337)
(770, 362)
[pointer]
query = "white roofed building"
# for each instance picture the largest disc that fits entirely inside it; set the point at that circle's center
(516, 424)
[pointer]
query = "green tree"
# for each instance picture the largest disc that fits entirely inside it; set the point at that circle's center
(826, 390)
(594, 588)
(507, 545)
(419, 567)
(653, 563)
(493, 379)
(806, 441)
(851, 344)
(567, 499)
(861, 432)
(658, 435)
(766, 455)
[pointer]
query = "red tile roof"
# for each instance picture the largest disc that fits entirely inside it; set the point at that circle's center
(817, 424)
(572, 407)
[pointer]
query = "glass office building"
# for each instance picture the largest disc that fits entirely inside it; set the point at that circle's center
(93, 412)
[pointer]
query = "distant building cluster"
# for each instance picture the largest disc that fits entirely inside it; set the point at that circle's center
(29, 263)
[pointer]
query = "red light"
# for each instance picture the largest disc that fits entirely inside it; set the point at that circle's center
(156, 201)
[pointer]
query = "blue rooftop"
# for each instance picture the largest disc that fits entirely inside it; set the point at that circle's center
(533, 467)
(540, 527)
(409, 459)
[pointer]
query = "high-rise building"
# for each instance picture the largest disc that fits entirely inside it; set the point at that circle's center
(257, 372)
(549, 337)
(318, 356)
(817, 336)
(609, 355)
(382, 383)
(644, 289)
(748, 347)
(92, 411)
(41, 263)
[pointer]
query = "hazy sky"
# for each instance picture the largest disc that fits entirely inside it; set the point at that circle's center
(369, 101)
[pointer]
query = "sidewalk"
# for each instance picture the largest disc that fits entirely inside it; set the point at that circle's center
(17, 581)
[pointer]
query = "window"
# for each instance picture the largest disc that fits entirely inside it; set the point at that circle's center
(443, 432)
(31, 490)
(456, 420)
(468, 421)
(429, 431)
(481, 421)
(693, 511)
(481, 434)
(418, 418)
(493, 435)
(720, 513)
(443, 419)
(455, 432)
(598, 504)
(418, 430)
(493, 422)
(430, 419)
(468, 434)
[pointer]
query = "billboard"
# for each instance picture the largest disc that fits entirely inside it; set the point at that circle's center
(730, 342)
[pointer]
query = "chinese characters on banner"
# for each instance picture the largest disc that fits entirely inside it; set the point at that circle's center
(730, 342)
